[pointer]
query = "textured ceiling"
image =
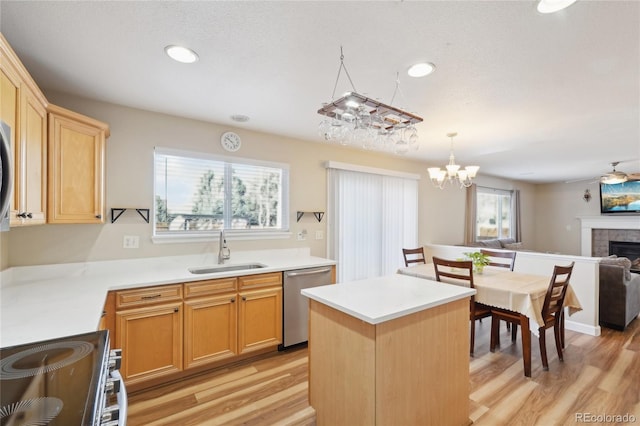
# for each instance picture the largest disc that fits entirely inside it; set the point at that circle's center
(538, 98)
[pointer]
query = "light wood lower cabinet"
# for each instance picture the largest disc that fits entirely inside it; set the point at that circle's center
(148, 329)
(210, 325)
(151, 341)
(164, 330)
(259, 319)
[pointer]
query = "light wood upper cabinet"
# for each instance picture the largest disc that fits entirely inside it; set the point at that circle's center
(23, 110)
(76, 167)
(32, 166)
(59, 174)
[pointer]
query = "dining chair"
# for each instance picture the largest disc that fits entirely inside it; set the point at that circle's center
(552, 313)
(505, 259)
(415, 255)
(461, 272)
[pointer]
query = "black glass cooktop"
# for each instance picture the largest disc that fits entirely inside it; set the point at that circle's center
(53, 382)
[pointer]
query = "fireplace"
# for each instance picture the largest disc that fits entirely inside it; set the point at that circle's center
(628, 249)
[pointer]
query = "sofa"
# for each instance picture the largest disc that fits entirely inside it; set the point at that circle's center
(619, 293)
(498, 243)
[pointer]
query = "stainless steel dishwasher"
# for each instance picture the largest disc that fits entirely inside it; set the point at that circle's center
(296, 306)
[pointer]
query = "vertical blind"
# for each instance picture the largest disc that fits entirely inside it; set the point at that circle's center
(372, 216)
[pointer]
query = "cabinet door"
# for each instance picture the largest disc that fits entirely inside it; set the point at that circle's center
(9, 109)
(210, 329)
(76, 168)
(22, 109)
(32, 166)
(151, 341)
(259, 319)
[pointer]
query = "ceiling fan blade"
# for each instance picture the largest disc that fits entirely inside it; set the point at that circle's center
(593, 180)
(633, 176)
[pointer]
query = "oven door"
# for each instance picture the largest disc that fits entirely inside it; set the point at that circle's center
(6, 175)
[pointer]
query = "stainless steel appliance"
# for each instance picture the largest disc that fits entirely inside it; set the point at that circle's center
(71, 381)
(6, 175)
(296, 306)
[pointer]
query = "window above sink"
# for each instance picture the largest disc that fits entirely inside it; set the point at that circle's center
(198, 194)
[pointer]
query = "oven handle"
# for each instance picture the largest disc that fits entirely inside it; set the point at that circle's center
(123, 402)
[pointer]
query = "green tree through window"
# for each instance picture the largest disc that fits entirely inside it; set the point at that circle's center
(201, 193)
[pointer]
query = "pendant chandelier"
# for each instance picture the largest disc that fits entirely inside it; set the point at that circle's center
(452, 173)
(358, 120)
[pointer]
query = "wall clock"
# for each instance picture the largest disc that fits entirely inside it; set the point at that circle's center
(230, 141)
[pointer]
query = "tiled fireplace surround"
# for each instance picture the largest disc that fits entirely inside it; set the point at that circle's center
(597, 231)
(601, 238)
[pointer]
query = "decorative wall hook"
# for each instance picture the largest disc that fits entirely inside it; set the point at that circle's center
(587, 196)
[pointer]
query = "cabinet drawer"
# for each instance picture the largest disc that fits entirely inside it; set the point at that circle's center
(148, 296)
(208, 287)
(260, 280)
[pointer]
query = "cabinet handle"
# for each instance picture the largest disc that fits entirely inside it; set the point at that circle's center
(153, 296)
(98, 216)
(244, 298)
(30, 215)
(22, 215)
(176, 309)
(233, 299)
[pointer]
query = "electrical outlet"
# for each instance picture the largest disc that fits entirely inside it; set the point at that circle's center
(131, 241)
(319, 235)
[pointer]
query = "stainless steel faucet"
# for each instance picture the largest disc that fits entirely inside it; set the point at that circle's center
(223, 252)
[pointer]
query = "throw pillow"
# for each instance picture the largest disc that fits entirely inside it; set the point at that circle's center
(620, 261)
(505, 241)
(490, 244)
(513, 246)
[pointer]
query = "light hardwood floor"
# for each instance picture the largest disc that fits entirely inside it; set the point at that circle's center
(599, 376)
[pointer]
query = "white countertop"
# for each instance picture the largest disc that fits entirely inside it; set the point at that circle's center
(376, 300)
(51, 301)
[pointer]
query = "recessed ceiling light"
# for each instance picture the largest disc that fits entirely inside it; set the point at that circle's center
(240, 118)
(181, 54)
(550, 6)
(421, 69)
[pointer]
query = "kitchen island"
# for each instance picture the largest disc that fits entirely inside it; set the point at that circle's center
(390, 350)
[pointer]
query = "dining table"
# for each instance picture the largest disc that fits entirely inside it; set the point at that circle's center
(518, 292)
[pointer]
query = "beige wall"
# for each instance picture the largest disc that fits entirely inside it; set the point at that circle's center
(134, 134)
(557, 209)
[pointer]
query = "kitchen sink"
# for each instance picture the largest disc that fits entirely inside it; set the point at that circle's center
(225, 268)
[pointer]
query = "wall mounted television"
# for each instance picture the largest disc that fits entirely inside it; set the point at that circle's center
(620, 198)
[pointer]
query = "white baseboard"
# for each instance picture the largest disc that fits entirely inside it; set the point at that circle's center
(582, 328)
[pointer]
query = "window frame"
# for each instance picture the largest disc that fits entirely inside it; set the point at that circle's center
(495, 191)
(236, 234)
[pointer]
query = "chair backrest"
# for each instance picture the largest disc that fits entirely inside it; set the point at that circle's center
(460, 270)
(554, 299)
(415, 255)
(509, 255)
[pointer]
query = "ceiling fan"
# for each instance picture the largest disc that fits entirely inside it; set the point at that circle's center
(616, 176)
(612, 177)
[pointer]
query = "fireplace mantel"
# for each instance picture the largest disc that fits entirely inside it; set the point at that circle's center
(589, 223)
